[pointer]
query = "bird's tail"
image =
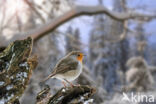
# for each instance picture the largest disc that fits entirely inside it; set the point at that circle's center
(50, 76)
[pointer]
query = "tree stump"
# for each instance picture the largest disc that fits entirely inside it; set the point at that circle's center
(76, 95)
(16, 67)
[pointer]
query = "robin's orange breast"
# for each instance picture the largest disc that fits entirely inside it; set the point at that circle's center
(80, 57)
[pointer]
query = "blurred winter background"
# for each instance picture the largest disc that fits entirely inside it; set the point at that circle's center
(108, 43)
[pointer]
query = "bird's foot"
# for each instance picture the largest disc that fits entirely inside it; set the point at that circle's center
(64, 84)
(72, 85)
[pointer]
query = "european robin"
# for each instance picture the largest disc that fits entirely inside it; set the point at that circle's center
(68, 68)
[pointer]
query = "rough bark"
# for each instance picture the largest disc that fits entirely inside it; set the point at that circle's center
(16, 67)
(69, 95)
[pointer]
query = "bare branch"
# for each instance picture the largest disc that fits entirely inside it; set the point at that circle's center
(79, 11)
(31, 5)
(19, 23)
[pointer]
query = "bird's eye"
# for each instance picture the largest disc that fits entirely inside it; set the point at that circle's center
(78, 55)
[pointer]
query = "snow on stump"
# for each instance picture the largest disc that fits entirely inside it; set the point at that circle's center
(76, 95)
(16, 67)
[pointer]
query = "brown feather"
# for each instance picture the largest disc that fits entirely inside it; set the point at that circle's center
(65, 65)
(51, 75)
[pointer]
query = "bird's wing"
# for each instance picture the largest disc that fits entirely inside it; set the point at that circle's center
(65, 65)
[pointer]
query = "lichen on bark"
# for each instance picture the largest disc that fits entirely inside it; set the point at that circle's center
(16, 67)
(68, 95)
